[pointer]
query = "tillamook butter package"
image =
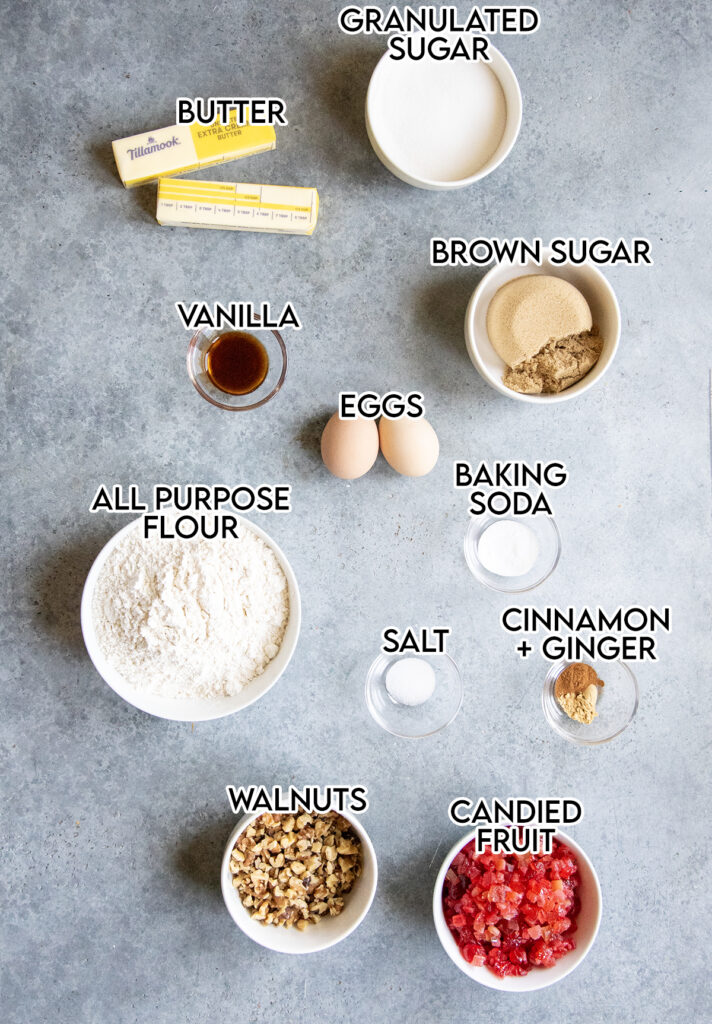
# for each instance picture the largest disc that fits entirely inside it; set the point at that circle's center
(183, 147)
(237, 207)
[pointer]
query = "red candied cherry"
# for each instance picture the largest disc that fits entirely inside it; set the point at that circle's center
(518, 956)
(560, 947)
(498, 962)
(563, 867)
(509, 912)
(474, 953)
(541, 955)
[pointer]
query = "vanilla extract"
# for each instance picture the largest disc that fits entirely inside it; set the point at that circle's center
(237, 363)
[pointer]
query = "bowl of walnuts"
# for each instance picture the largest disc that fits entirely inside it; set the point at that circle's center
(298, 883)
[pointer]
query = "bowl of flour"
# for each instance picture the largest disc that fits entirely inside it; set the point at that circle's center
(191, 630)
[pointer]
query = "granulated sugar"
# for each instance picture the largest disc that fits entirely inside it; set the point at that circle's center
(441, 120)
(191, 618)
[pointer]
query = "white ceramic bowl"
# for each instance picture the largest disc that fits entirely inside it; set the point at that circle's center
(377, 125)
(327, 931)
(590, 282)
(189, 709)
(588, 920)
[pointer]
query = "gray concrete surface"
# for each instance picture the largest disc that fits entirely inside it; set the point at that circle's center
(115, 822)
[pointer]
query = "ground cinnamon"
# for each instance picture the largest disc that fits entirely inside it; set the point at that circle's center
(575, 679)
(576, 691)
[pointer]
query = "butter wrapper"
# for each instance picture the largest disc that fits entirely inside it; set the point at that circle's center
(237, 207)
(168, 151)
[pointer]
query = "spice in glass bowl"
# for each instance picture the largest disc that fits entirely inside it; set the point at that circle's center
(576, 692)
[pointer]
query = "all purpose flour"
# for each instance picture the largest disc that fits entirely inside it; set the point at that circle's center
(191, 618)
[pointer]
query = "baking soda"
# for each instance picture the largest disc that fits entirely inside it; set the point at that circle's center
(508, 548)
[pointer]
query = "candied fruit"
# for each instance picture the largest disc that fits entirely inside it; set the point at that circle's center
(512, 913)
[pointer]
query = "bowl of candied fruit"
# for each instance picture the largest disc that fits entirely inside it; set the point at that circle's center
(517, 922)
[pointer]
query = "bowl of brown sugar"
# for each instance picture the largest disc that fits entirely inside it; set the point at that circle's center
(542, 332)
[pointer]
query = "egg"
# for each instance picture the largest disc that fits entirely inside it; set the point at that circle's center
(349, 447)
(409, 446)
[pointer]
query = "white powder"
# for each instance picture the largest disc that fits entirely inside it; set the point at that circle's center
(410, 681)
(191, 618)
(508, 548)
(439, 120)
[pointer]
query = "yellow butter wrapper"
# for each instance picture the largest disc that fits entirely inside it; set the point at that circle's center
(168, 151)
(237, 207)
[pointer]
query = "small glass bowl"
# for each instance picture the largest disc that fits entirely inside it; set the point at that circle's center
(548, 536)
(422, 719)
(197, 355)
(616, 705)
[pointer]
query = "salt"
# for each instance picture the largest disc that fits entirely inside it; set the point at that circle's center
(410, 681)
(508, 548)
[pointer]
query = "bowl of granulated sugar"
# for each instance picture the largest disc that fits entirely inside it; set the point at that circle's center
(191, 630)
(442, 124)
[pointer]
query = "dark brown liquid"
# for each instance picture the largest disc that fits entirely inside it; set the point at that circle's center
(237, 363)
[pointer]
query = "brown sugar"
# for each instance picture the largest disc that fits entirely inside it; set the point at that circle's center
(528, 312)
(541, 327)
(559, 365)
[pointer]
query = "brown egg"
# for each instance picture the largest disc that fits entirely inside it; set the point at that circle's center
(411, 447)
(349, 447)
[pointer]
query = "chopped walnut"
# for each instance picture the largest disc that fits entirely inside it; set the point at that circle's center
(290, 871)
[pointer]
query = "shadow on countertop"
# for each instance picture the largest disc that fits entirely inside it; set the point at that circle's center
(408, 892)
(142, 198)
(309, 436)
(58, 582)
(441, 305)
(199, 859)
(341, 78)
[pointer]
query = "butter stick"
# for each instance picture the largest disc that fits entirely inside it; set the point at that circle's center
(237, 207)
(167, 151)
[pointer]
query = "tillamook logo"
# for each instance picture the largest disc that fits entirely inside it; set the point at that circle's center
(153, 147)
